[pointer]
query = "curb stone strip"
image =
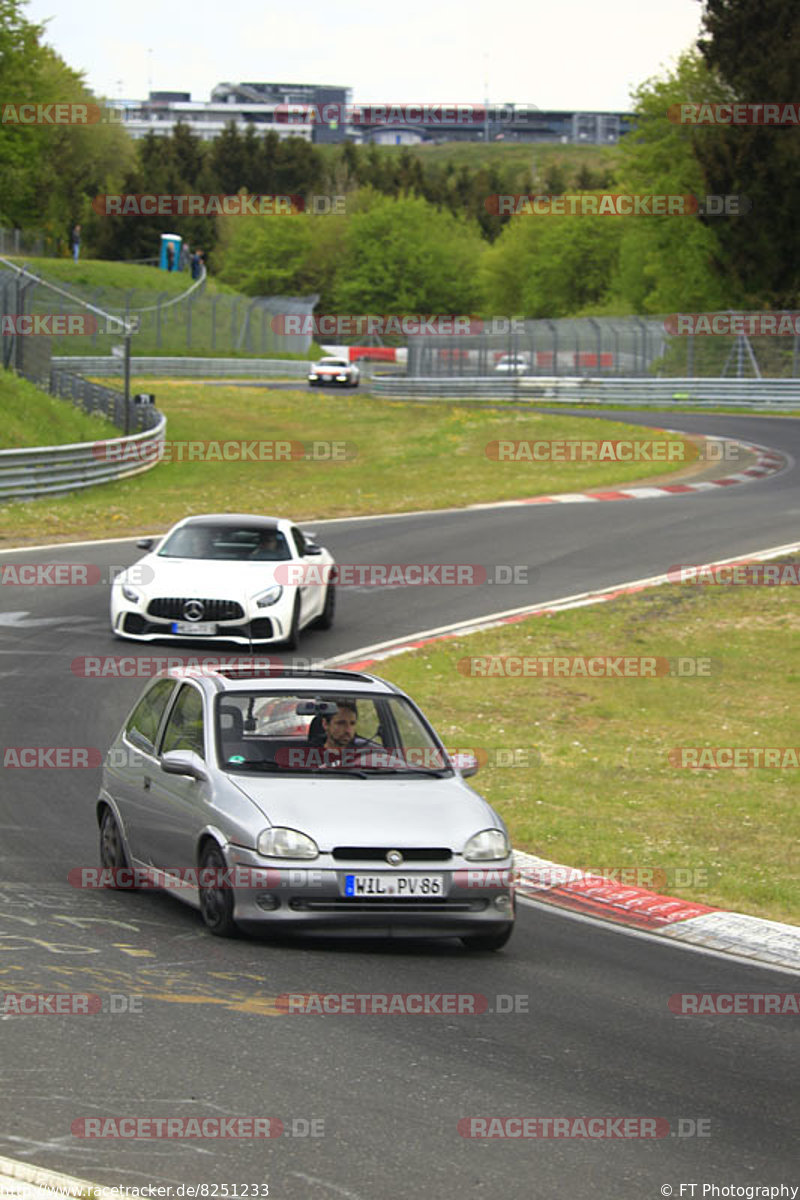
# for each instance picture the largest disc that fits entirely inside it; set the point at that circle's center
(772, 943)
(36, 1183)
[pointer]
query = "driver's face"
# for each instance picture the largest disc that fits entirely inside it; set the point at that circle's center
(341, 728)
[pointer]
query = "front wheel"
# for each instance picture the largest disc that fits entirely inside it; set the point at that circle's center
(325, 618)
(293, 636)
(112, 852)
(488, 941)
(216, 900)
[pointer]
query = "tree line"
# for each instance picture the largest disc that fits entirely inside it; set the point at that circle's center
(419, 236)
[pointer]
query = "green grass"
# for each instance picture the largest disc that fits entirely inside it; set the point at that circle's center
(124, 276)
(605, 796)
(32, 418)
(212, 322)
(406, 458)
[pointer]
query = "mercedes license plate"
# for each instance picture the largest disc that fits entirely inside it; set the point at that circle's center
(198, 628)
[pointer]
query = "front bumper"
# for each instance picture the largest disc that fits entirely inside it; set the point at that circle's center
(131, 623)
(310, 897)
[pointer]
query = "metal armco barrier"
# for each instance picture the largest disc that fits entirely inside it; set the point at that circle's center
(641, 392)
(192, 368)
(43, 470)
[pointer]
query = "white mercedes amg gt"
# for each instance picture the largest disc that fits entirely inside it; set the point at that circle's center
(226, 577)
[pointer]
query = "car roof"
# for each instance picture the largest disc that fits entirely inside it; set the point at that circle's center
(280, 678)
(232, 520)
(333, 359)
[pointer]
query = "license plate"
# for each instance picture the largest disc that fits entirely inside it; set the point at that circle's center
(199, 628)
(375, 886)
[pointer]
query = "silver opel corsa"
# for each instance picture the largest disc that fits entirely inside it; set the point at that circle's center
(302, 800)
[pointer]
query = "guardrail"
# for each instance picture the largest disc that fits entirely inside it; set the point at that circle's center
(192, 368)
(200, 368)
(640, 392)
(44, 470)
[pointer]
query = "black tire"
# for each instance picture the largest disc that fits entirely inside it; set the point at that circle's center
(488, 941)
(325, 618)
(216, 903)
(293, 638)
(112, 851)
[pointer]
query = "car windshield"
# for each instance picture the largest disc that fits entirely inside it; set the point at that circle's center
(325, 733)
(237, 543)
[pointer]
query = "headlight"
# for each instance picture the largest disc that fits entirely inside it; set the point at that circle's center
(339, 377)
(270, 596)
(286, 843)
(312, 375)
(130, 594)
(488, 844)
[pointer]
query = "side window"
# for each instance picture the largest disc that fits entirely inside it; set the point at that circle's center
(143, 722)
(299, 541)
(184, 729)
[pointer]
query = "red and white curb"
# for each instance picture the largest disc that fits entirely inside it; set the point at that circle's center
(769, 462)
(769, 943)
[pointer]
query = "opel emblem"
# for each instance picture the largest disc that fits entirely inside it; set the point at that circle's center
(193, 610)
(394, 858)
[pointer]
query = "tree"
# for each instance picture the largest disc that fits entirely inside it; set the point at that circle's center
(752, 47)
(404, 256)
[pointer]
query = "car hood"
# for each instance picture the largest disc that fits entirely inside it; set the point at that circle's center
(380, 811)
(205, 578)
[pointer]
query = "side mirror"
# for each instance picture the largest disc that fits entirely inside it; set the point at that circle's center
(466, 764)
(313, 548)
(145, 543)
(183, 762)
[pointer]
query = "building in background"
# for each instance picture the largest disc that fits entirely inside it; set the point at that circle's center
(318, 113)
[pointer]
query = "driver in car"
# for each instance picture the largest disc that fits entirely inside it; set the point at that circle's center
(342, 744)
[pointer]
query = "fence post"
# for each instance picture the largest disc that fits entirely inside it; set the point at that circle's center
(214, 300)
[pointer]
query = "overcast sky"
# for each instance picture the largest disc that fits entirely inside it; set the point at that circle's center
(551, 53)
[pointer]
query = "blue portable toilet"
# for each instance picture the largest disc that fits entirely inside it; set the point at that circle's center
(175, 240)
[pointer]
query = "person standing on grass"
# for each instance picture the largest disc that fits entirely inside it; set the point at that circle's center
(76, 242)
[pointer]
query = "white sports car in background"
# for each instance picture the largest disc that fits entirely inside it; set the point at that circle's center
(337, 371)
(226, 577)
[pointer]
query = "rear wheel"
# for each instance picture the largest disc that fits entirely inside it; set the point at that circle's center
(325, 618)
(216, 901)
(488, 941)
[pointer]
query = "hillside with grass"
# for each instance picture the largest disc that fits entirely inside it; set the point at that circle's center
(32, 418)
